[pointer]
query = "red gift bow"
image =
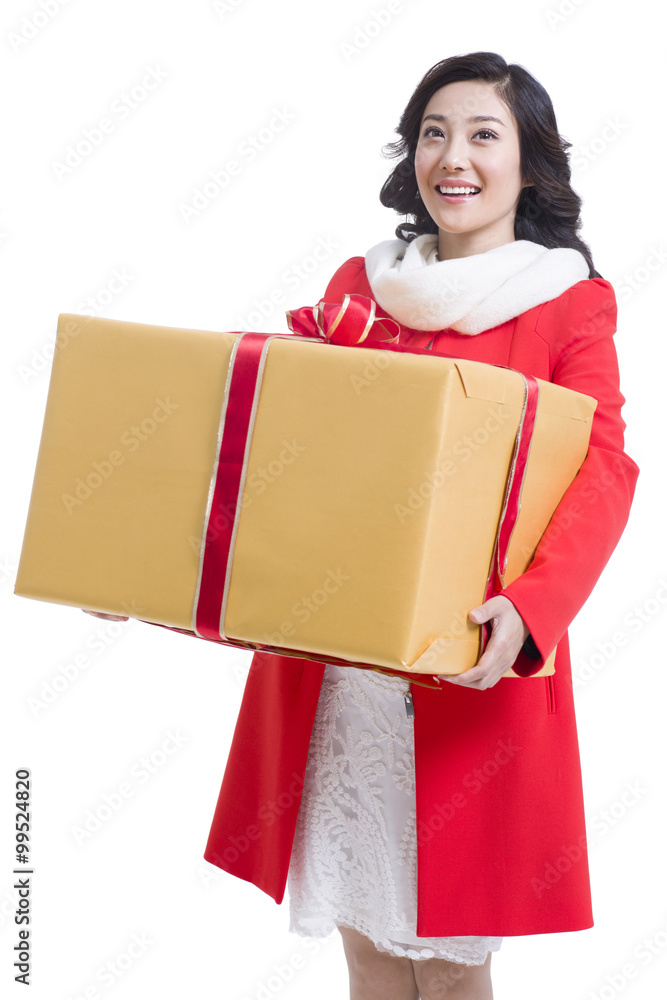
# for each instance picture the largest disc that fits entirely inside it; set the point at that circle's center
(346, 323)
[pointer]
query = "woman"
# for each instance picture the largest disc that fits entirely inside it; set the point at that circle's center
(423, 882)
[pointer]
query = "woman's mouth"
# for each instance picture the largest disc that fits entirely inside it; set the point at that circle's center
(464, 192)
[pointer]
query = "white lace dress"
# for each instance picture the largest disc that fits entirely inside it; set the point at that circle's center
(354, 859)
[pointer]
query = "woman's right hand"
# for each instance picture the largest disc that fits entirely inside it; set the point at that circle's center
(111, 618)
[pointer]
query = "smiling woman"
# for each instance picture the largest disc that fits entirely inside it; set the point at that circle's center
(426, 831)
(520, 148)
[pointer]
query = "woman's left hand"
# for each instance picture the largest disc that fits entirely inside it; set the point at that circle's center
(508, 636)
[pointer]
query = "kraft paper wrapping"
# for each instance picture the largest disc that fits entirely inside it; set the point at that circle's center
(373, 489)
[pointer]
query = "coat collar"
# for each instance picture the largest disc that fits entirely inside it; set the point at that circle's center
(468, 294)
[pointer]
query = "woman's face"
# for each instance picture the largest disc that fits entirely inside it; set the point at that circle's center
(480, 153)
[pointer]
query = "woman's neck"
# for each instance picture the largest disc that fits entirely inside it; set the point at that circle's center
(454, 245)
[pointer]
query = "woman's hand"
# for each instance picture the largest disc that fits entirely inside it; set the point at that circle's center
(508, 636)
(111, 618)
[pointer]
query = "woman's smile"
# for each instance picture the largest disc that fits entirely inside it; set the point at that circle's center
(457, 191)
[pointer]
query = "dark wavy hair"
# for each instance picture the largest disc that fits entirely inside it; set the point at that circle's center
(548, 212)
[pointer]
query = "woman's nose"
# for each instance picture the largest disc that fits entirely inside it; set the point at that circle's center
(454, 154)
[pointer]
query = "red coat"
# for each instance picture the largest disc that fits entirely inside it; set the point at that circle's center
(501, 838)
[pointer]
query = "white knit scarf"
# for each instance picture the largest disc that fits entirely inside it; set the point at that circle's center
(468, 294)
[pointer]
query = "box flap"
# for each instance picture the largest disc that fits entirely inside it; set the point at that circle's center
(483, 381)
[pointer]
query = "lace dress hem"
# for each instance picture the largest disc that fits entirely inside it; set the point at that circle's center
(462, 953)
(354, 857)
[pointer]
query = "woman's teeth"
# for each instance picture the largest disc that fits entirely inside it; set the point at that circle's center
(447, 189)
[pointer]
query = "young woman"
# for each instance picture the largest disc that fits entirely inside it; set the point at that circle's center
(425, 837)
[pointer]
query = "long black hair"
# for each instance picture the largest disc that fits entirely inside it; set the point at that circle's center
(548, 211)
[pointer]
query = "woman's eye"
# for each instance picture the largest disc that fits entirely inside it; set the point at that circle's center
(434, 130)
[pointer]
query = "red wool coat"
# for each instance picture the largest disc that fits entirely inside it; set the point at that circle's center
(501, 837)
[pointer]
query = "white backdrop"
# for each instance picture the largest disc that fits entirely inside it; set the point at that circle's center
(176, 91)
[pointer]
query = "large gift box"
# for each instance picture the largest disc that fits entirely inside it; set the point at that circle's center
(286, 493)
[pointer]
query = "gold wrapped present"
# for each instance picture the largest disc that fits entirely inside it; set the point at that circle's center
(283, 493)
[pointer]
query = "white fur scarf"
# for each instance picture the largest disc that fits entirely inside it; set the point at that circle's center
(468, 294)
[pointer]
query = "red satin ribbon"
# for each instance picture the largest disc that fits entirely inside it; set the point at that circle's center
(348, 323)
(241, 393)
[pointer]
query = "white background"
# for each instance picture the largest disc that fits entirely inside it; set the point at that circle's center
(225, 73)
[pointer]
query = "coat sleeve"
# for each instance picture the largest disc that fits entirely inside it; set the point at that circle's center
(587, 524)
(350, 277)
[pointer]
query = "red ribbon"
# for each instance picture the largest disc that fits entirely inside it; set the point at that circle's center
(347, 323)
(240, 392)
